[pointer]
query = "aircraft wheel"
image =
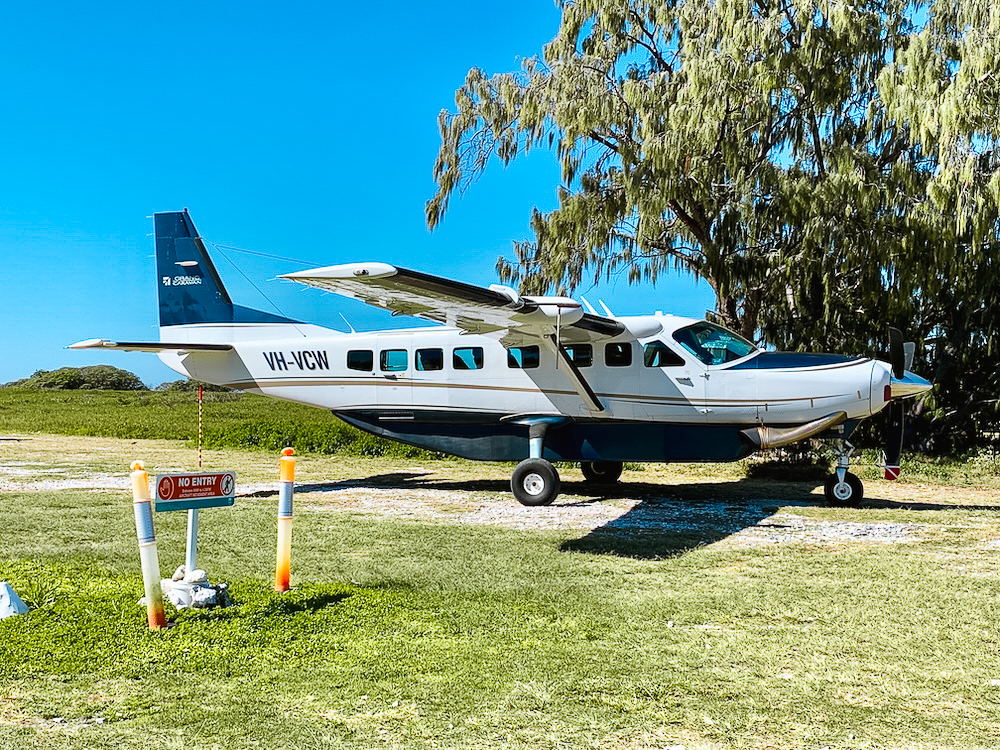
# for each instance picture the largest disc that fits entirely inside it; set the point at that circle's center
(846, 494)
(535, 482)
(601, 472)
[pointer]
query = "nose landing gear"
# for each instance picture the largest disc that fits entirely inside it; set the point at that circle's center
(843, 489)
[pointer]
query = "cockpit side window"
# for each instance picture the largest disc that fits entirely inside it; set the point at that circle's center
(712, 344)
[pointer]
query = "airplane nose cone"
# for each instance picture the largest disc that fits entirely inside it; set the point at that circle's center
(909, 385)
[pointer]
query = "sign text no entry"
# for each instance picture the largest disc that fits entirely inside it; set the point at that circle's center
(188, 491)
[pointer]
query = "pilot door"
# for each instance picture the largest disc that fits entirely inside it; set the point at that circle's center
(673, 388)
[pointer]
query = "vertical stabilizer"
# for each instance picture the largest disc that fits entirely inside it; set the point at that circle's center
(190, 288)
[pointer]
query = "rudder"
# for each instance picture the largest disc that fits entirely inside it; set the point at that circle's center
(189, 286)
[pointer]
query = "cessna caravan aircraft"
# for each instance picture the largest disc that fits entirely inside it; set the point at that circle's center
(520, 378)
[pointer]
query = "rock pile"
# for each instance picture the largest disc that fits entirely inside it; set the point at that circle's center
(192, 589)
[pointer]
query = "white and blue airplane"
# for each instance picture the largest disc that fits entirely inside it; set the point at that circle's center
(520, 378)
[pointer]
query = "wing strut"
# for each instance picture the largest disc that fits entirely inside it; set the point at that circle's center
(575, 377)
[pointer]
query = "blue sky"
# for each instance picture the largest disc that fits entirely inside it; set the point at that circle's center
(306, 131)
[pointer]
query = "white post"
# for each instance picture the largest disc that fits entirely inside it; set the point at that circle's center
(148, 558)
(191, 553)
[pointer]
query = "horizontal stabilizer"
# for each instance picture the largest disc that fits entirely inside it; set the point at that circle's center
(149, 346)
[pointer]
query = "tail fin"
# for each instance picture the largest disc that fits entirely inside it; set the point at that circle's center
(190, 289)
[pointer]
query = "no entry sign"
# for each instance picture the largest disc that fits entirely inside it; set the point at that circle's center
(189, 491)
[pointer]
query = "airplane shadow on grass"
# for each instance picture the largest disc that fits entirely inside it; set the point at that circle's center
(667, 521)
(670, 520)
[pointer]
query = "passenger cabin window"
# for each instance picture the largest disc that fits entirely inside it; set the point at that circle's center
(430, 359)
(658, 354)
(467, 359)
(393, 360)
(712, 344)
(361, 359)
(522, 357)
(581, 355)
(618, 355)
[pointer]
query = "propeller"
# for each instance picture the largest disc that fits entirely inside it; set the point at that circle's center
(897, 411)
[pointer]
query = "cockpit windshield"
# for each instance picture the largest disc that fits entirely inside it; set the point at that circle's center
(712, 344)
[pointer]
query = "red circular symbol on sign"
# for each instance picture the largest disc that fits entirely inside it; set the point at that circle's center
(227, 484)
(165, 488)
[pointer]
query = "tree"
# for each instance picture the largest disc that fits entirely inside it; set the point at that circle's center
(94, 377)
(745, 142)
(945, 86)
(741, 142)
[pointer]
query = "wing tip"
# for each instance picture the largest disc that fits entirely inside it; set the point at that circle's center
(90, 344)
(343, 271)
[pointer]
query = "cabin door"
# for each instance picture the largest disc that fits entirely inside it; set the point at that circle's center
(395, 382)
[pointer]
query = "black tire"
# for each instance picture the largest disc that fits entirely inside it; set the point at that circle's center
(844, 495)
(601, 472)
(535, 482)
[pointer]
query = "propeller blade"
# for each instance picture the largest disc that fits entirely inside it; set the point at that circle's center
(894, 439)
(897, 356)
(910, 350)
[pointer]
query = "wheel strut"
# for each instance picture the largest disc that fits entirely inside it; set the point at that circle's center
(535, 480)
(843, 489)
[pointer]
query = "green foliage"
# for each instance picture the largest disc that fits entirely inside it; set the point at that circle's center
(191, 386)
(944, 87)
(751, 145)
(94, 377)
(740, 142)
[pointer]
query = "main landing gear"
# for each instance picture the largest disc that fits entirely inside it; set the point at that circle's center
(601, 472)
(535, 481)
(843, 489)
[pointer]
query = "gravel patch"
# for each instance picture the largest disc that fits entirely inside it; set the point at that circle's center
(742, 524)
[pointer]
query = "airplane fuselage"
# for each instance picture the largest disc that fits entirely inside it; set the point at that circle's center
(460, 393)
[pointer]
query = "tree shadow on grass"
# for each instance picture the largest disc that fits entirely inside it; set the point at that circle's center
(878, 503)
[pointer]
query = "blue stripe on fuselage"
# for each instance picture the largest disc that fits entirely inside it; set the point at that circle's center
(793, 360)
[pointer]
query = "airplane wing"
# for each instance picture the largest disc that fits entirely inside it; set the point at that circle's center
(471, 308)
(148, 346)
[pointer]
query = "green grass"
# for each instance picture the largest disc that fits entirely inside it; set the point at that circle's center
(406, 634)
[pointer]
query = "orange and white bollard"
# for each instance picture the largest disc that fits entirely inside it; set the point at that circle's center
(286, 491)
(148, 557)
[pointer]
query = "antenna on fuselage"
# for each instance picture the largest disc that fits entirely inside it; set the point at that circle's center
(346, 323)
(606, 310)
(590, 307)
